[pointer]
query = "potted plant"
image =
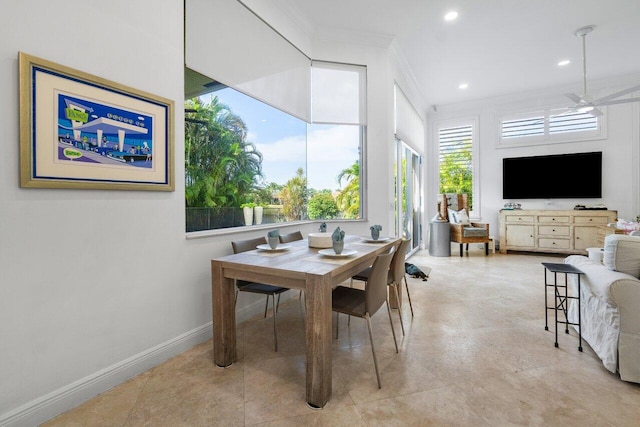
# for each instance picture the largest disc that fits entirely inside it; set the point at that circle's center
(257, 214)
(247, 210)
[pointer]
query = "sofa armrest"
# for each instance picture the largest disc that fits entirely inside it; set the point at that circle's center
(600, 279)
(626, 294)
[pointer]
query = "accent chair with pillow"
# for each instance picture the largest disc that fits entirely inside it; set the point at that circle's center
(455, 207)
(610, 306)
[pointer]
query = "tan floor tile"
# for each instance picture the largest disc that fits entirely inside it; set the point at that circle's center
(440, 406)
(110, 408)
(475, 353)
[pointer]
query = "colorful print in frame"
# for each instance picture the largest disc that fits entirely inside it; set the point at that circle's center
(82, 131)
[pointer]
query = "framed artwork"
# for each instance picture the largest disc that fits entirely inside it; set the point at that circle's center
(82, 131)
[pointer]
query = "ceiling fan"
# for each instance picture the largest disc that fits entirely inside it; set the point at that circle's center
(586, 103)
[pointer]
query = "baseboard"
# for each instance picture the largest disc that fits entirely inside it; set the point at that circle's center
(72, 395)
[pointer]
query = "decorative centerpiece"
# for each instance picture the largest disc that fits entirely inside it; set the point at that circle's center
(320, 240)
(273, 238)
(338, 240)
(375, 231)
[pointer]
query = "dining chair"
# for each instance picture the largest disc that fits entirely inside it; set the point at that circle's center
(259, 288)
(395, 277)
(291, 237)
(365, 303)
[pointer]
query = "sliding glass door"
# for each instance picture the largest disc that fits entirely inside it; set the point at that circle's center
(408, 200)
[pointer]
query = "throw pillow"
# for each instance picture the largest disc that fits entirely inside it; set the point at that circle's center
(452, 217)
(622, 253)
(462, 217)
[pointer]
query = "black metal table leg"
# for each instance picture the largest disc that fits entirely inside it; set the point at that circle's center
(579, 316)
(546, 303)
(561, 302)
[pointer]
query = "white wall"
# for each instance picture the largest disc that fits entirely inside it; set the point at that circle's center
(97, 286)
(621, 151)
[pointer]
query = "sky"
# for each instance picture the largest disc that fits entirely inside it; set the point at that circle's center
(281, 138)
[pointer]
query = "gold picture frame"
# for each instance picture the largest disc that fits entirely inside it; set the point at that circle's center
(81, 131)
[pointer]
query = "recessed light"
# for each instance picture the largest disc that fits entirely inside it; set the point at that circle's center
(564, 62)
(463, 86)
(450, 16)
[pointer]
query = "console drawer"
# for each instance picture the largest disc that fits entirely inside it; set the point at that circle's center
(554, 219)
(590, 220)
(519, 218)
(553, 243)
(551, 230)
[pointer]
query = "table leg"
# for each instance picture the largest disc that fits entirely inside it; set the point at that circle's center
(566, 301)
(555, 298)
(318, 329)
(579, 317)
(224, 317)
(546, 303)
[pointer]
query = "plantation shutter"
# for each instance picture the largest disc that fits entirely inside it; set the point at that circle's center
(454, 140)
(535, 125)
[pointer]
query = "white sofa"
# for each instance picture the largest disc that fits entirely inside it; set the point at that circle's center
(610, 294)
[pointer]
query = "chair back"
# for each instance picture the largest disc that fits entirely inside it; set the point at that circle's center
(376, 290)
(291, 237)
(454, 202)
(397, 262)
(247, 245)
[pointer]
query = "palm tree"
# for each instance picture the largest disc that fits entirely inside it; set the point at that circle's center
(221, 167)
(293, 197)
(348, 199)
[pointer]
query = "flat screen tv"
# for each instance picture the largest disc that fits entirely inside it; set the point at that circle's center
(560, 176)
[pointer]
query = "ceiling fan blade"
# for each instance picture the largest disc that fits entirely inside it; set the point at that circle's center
(619, 101)
(596, 112)
(602, 100)
(572, 96)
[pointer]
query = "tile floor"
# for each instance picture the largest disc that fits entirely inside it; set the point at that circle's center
(475, 354)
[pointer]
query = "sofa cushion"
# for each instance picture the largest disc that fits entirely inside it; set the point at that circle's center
(622, 253)
(474, 232)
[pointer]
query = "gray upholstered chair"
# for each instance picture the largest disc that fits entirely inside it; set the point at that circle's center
(291, 237)
(365, 303)
(259, 288)
(395, 277)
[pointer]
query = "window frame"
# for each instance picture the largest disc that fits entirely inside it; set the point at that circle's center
(362, 138)
(547, 138)
(473, 122)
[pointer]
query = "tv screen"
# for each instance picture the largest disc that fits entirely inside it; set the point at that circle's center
(561, 176)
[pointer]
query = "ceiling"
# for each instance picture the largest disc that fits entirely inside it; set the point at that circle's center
(497, 47)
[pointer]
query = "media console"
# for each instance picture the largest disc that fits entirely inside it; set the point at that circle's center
(553, 231)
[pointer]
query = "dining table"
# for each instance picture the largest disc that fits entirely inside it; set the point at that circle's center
(294, 265)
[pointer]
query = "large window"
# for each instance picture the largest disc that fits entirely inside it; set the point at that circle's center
(244, 155)
(456, 146)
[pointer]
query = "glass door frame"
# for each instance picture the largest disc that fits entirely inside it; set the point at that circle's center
(409, 225)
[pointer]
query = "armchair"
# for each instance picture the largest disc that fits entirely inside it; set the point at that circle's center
(455, 207)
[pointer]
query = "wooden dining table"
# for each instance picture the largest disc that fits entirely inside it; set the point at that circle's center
(297, 266)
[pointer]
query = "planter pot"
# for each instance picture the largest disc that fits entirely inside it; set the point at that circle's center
(257, 214)
(248, 216)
